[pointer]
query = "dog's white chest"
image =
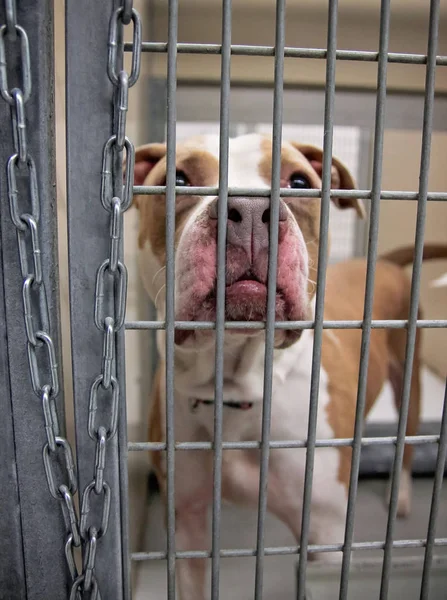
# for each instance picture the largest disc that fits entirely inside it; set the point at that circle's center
(290, 398)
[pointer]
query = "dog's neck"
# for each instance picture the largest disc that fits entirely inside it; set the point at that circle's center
(243, 366)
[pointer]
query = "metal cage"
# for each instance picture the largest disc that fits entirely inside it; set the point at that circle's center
(97, 86)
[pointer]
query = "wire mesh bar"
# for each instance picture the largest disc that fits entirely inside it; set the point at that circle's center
(434, 508)
(320, 289)
(375, 324)
(150, 190)
(170, 289)
(414, 440)
(288, 550)
(369, 292)
(271, 291)
(290, 52)
(415, 287)
(30, 518)
(220, 293)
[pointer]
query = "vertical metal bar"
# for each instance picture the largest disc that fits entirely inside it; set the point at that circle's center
(12, 568)
(170, 290)
(369, 291)
(88, 85)
(220, 303)
(415, 287)
(271, 290)
(437, 487)
(34, 519)
(361, 231)
(321, 284)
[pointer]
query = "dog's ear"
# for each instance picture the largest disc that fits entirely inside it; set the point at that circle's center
(341, 178)
(146, 157)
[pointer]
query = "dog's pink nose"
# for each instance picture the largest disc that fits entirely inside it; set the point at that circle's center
(248, 222)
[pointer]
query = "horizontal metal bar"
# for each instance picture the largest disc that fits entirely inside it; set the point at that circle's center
(285, 550)
(151, 190)
(377, 324)
(289, 52)
(413, 440)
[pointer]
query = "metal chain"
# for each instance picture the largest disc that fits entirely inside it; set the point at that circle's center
(110, 293)
(25, 215)
(110, 303)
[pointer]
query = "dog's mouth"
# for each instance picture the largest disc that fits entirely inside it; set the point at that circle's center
(245, 300)
(246, 283)
(245, 297)
(247, 287)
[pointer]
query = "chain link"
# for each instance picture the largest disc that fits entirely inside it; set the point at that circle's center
(116, 58)
(11, 19)
(5, 93)
(25, 215)
(108, 175)
(78, 588)
(110, 303)
(50, 416)
(31, 226)
(19, 125)
(13, 193)
(117, 294)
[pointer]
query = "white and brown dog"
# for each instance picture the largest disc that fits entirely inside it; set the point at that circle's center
(250, 159)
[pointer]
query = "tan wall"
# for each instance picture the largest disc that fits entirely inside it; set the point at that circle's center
(397, 225)
(359, 30)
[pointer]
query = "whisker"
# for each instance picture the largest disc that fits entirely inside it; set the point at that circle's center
(157, 273)
(158, 293)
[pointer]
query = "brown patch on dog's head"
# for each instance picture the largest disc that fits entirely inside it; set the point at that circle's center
(307, 160)
(200, 169)
(341, 178)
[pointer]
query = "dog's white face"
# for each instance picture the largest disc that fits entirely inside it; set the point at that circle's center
(250, 160)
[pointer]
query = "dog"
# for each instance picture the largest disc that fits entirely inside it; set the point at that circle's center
(250, 159)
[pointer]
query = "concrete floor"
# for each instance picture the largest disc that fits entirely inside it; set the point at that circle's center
(239, 531)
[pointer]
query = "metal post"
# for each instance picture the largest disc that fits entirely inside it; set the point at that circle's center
(93, 63)
(275, 200)
(12, 567)
(30, 518)
(321, 284)
(170, 287)
(220, 302)
(369, 294)
(436, 496)
(415, 287)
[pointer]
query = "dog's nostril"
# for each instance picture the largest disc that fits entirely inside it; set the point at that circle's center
(234, 215)
(266, 216)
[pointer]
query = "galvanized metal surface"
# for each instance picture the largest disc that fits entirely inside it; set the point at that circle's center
(220, 287)
(170, 287)
(30, 518)
(415, 288)
(275, 200)
(369, 294)
(376, 194)
(318, 53)
(95, 141)
(97, 199)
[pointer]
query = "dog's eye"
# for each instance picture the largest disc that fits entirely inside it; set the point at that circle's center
(181, 179)
(299, 182)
